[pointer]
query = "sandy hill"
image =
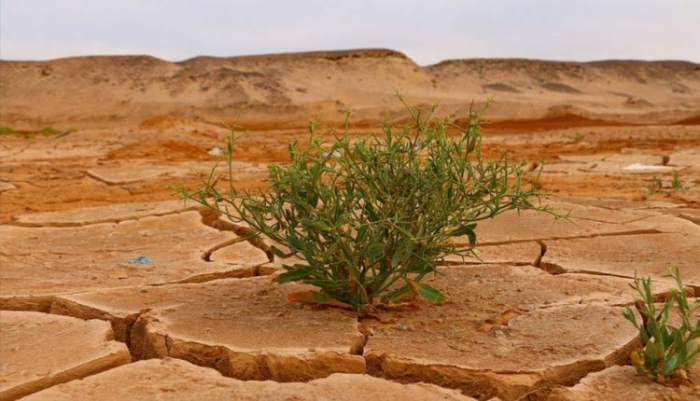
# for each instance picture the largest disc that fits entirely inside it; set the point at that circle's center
(284, 90)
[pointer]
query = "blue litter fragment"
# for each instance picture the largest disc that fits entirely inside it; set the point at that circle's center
(141, 260)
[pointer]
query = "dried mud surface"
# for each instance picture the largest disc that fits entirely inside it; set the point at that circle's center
(93, 241)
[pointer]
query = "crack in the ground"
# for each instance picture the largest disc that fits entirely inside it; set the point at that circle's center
(455, 263)
(61, 254)
(638, 219)
(556, 269)
(220, 357)
(34, 302)
(149, 342)
(100, 221)
(507, 384)
(255, 365)
(212, 218)
(60, 305)
(96, 178)
(650, 231)
(260, 269)
(693, 219)
(29, 303)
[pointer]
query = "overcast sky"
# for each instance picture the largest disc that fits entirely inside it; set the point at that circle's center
(428, 31)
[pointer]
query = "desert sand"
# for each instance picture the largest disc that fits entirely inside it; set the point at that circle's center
(104, 291)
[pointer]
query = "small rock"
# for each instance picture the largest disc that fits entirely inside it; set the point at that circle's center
(216, 151)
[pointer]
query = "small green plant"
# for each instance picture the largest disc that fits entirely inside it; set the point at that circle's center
(654, 187)
(579, 137)
(5, 130)
(46, 131)
(371, 217)
(667, 351)
(676, 183)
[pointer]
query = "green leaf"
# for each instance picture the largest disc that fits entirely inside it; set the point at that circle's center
(295, 273)
(279, 253)
(464, 230)
(651, 353)
(629, 315)
(691, 350)
(672, 364)
(317, 224)
(427, 292)
(375, 250)
(295, 243)
(399, 294)
(401, 254)
(361, 233)
(330, 252)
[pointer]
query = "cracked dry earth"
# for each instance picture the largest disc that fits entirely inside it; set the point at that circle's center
(537, 317)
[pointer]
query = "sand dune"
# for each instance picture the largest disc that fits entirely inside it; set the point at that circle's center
(284, 90)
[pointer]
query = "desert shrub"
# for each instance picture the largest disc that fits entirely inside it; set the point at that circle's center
(668, 350)
(48, 131)
(656, 186)
(372, 216)
(677, 183)
(6, 130)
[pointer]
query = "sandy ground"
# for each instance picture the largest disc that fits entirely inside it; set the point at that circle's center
(91, 149)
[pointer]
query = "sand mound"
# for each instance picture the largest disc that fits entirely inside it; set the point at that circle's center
(284, 90)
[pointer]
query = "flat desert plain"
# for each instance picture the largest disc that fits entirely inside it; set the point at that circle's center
(105, 295)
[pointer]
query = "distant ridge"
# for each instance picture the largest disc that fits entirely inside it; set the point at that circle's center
(282, 91)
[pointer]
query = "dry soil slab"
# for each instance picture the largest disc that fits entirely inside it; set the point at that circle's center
(582, 222)
(175, 379)
(40, 262)
(623, 383)
(133, 171)
(82, 144)
(143, 170)
(245, 328)
(40, 350)
(639, 167)
(626, 256)
(102, 214)
(6, 186)
(505, 331)
(520, 253)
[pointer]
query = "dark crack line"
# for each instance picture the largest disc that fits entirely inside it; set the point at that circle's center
(134, 250)
(111, 183)
(651, 231)
(97, 222)
(692, 219)
(238, 273)
(591, 273)
(612, 222)
(212, 218)
(59, 306)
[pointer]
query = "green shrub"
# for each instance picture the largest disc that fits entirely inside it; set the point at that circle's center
(667, 351)
(46, 131)
(579, 137)
(5, 130)
(676, 183)
(371, 217)
(656, 185)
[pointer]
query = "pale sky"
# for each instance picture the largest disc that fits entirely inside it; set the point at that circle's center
(427, 31)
